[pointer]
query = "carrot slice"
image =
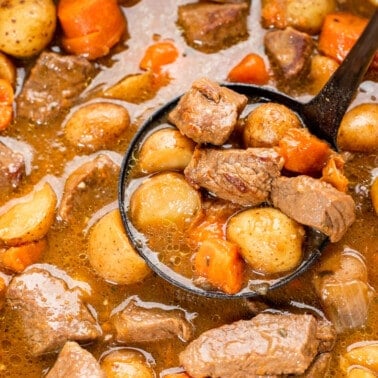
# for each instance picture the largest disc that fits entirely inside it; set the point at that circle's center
(220, 263)
(157, 55)
(19, 257)
(303, 152)
(339, 33)
(251, 69)
(6, 103)
(91, 27)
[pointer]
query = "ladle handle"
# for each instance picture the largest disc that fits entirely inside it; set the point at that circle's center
(327, 108)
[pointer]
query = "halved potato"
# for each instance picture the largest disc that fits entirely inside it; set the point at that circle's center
(29, 220)
(111, 254)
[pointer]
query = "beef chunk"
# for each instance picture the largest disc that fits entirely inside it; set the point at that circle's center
(75, 362)
(240, 176)
(268, 344)
(209, 27)
(92, 171)
(289, 52)
(12, 168)
(318, 368)
(136, 324)
(54, 84)
(208, 113)
(314, 203)
(50, 312)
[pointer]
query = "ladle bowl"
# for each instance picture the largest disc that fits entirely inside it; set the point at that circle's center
(321, 115)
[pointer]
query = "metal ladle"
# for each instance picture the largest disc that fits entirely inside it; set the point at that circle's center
(322, 115)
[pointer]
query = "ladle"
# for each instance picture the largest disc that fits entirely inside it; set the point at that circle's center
(322, 115)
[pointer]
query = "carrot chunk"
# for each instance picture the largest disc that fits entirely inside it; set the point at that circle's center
(91, 27)
(251, 70)
(339, 33)
(220, 263)
(6, 103)
(303, 152)
(157, 55)
(20, 257)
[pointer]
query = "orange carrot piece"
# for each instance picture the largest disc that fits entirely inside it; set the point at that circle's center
(157, 55)
(220, 263)
(251, 70)
(206, 228)
(333, 173)
(91, 27)
(303, 152)
(339, 33)
(6, 103)
(19, 257)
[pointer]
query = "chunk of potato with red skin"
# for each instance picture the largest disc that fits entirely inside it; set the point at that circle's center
(96, 125)
(267, 123)
(126, 363)
(163, 201)
(165, 149)
(359, 129)
(29, 219)
(110, 253)
(269, 241)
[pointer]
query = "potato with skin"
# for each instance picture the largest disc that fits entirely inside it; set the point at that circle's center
(359, 129)
(267, 123)
(26, 27)
(269, 241)
(164, 200)
(322, 68)
(164, 150)
(126, 363)
(96, 125)
(30, 219)
(110, 253)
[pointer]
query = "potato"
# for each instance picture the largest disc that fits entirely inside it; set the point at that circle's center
(267, 123)
(30, 219)
(360, 373)
(111, 254)
(126, 363)
(94, 126)
(164, 200)
(269, 241)
(365, 356)
(308, 15)
(165, 149)
(322, 68)
(374, 194)
(7, 70)
(26, 27)
(359, 129)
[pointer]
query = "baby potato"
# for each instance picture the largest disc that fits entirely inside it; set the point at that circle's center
(30, 219)
(111, 254)
(165, 149)
(269, 241)
(322, 68)
(164, 200)
(359, 129)
(26, 27)
(126, 363)
(308, 15)
(267, 123)
(94, 126)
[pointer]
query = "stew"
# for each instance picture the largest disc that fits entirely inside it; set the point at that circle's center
(76, 300)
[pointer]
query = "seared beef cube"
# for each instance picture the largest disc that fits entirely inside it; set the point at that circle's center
(75, 362)
(289, 52)
(209, 27)
(208, 113)
(268, 344)
(50, 312)
(136, 324)
(12, 168)
(54, 84)
(314, 203)
(240, 176)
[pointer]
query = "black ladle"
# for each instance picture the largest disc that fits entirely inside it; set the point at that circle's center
(322, 115)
